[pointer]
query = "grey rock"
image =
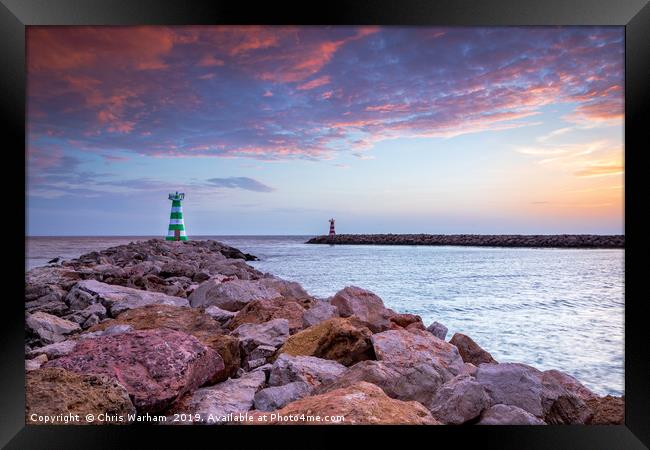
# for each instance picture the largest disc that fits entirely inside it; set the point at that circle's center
(90, 321)
(275, 397)
(512, 384)
(418, 382)
(230, 295)
(49, 328)
(272, 333)
(55, 350)
(319, 312)
(118, 298)
(233, 396)
(113, 329)
(458, 401)
(438, 330)
(365, 305)
(313, 371)
(35, 363)
(220, 315)
(508, 415)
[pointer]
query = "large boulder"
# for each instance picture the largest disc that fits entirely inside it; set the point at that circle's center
(272, 333)
(508, 415)
(365, 305)
(313, 371)
(569, 383)
(55, 391)
(49, 328)
(407, 347)
(155, 366)
(276, 397)
(362, 403)
(320, 310)
(117, 299)
(342, 340)
(607, 410)
(458, 401)
(188, 320)
(215, 403)
(512, 384)
(289, 290)
(418, 382)
(259, 311)
(470, 351)
(527, 388)
(231, 295)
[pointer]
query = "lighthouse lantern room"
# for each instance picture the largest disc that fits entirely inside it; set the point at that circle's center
(176, 231)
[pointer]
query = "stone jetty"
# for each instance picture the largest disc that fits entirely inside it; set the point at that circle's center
(478, 240)
(189, 333)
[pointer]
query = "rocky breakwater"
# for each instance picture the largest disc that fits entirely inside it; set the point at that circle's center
(478, 240)
(190, 333)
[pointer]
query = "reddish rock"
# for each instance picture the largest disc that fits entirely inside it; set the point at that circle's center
(470, 351)
(607, 410)
(311, 370)
(408, 321)
(259, 311)
(55, 391)
(365, 305)
(569, 383)
(155, 366)
(360, 404)
(408, 347)
(338, 339)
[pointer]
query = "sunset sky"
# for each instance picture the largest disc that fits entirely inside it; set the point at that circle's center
(273, 130)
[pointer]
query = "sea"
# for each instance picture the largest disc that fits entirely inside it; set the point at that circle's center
(549, 308)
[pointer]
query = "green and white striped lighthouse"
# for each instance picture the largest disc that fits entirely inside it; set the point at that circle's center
(176, 230)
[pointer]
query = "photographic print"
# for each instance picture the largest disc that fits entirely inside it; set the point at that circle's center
(315, 225)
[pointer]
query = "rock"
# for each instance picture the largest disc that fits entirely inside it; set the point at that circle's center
(35, 363)
(55, 350)
(188, 320)
(362, 403)
(469, 369)
(259, 311)
(272, 333)
(458, 401)
(365, 305)
(338, 339)
(276, 397)
(311, 370)
(407, 347)
(118, 299)
(177, 269)
(91, 321)
(108, 331)
(260, 356)
(289, 290)
(418, 382)
(607, 410)
(527, 388)
(318, 312)
(512, 384)
(200, 277)
(54, 391)
(508, 415)
(155, 366)
(470, 350)
(230, 295)
(569, 383)
(220, 315)
(214, 403)
(561, 406)
(408, 321)
(49, 328)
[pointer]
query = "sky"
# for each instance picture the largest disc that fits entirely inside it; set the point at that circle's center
(274, 130)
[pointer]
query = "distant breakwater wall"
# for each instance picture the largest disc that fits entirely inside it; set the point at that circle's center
(478, 240)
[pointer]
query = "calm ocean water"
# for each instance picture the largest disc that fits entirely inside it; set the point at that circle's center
(550, 308)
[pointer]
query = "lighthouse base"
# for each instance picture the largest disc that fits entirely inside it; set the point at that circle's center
(173, 238)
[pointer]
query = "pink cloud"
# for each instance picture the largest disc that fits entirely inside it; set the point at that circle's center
(316, 82)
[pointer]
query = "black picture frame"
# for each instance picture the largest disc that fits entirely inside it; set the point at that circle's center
(634, 15)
